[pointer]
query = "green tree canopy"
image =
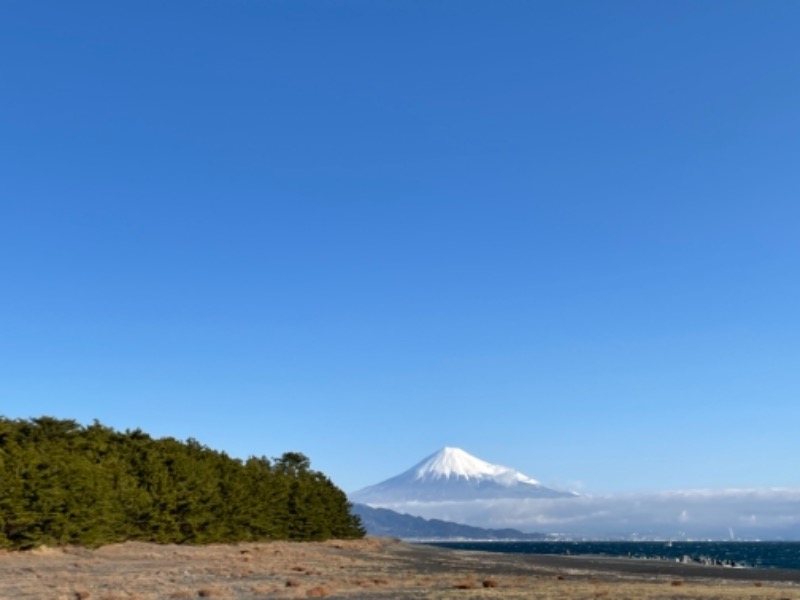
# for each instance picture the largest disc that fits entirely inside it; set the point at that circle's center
(63, 483)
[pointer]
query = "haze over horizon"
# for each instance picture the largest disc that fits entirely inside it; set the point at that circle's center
(561, 236)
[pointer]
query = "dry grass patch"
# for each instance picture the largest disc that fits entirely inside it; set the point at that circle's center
(364, 545)
(374, 569)
(468, 583)
(301, 569)
(376, 581)
(318, 591)
(264, 590)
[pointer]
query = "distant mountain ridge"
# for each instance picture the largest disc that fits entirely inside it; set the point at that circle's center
(451, 474)
(385, 522)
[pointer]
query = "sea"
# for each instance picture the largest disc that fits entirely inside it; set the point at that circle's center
(764, 555)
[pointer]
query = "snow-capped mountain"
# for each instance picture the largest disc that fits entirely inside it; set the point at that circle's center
(451, 474)
(455, 487)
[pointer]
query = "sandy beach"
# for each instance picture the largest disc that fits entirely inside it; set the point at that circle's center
(369, 568)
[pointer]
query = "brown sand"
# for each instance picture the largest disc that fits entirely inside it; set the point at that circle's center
(370, 568)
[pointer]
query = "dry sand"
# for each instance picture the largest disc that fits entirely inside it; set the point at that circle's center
(370, 568)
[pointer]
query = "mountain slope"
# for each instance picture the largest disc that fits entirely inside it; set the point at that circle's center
(385, 522)
(451, 474)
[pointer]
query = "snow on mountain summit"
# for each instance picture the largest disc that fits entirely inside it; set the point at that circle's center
(455, 462)
(451, 474)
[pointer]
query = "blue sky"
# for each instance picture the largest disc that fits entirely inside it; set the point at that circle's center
(559, 235)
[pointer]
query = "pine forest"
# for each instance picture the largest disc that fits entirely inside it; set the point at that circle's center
(64, 483)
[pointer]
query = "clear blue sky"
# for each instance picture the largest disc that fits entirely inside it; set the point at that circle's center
(560, 235)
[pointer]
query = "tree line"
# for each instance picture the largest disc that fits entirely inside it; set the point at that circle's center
(63, 483)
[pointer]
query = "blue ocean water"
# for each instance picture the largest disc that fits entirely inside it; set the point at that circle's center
(773, 555)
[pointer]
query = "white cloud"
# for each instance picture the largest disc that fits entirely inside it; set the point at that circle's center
(770, 513)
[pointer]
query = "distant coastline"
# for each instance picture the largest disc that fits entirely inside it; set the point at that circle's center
(764, 555)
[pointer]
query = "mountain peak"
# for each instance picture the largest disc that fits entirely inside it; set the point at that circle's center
(455, 462)
(454, 475)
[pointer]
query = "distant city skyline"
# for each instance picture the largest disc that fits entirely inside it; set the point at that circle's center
(560, 236)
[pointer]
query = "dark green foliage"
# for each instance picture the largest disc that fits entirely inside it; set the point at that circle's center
(61, 483)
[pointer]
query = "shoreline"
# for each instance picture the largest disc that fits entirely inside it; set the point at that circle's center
(648, 564)
(368, 568)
